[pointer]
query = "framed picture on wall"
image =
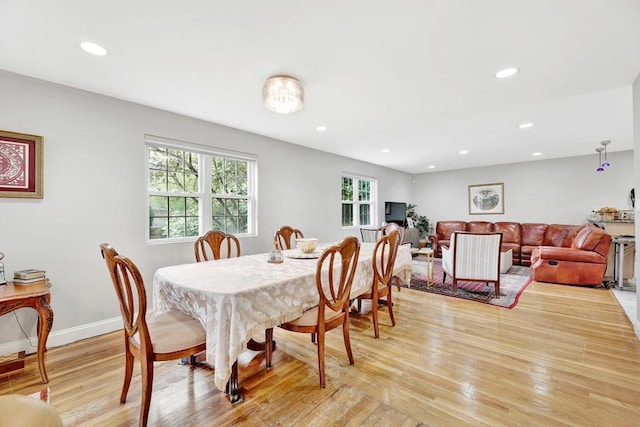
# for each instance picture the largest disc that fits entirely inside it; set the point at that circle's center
(485, 199)
(20, 165)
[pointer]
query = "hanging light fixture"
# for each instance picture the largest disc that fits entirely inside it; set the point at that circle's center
(283, 94)
(600, 150)
(605, 164)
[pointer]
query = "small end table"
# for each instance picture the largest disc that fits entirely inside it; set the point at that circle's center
(429, 256)
(38, 297)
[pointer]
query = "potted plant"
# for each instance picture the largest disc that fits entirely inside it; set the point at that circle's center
(421, 222)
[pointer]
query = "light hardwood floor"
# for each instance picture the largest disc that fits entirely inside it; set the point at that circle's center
(564, 356)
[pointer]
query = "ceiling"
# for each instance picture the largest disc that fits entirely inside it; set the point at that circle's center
(411, 76)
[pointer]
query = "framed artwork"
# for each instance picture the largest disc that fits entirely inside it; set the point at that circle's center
(485, 199)
(20, 165)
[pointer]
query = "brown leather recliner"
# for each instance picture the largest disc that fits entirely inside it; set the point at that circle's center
(444, 230)
(583, 263)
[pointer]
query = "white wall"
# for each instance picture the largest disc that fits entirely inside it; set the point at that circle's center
(636, 180)
(561, 191)
(94, 192)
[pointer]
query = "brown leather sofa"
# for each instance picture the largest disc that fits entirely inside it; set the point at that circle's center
(580, 251)
(584, 262)
(522, 239)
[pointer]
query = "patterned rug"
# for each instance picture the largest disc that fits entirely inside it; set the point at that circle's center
(512, 284)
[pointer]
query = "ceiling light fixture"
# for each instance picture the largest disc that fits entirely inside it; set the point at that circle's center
(321, 128)
(599, 150)
(283, 94)
(605, 164)
(94, 49)
(525, 125)
(431, 166)
(536, 154)
(507, 72)
(463, 152)
(385, 151)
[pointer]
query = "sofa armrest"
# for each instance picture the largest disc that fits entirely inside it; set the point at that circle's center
(566, 254)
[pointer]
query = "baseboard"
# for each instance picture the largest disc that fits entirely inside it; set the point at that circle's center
(65, 336)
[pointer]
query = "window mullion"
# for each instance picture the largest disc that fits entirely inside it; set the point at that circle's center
(205, 193)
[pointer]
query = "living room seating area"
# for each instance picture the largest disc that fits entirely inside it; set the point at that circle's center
(557, 253)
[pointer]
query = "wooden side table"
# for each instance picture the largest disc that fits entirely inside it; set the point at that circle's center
(428, 253)
(38, 297)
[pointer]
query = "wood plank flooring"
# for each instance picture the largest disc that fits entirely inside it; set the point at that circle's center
(564, 356)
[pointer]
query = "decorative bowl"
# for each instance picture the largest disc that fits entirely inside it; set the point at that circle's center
(307, 245)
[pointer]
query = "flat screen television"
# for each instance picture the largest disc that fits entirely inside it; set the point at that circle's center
(396, 212)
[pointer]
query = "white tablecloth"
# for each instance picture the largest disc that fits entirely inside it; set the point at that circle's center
(238, 298)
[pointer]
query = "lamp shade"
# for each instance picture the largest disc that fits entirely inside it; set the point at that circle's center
(283, 94)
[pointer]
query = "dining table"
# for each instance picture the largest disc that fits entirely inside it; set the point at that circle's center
(238, 298)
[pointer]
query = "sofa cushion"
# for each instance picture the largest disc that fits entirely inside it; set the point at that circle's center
(560, 235)
(444, 229)
(511, 232)
(533, 234)
(479, 227)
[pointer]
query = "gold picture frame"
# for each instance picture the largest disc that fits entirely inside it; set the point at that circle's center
(21, 165)
(486, 199)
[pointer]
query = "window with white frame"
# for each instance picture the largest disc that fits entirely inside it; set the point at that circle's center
(192, 189)
(359, 201)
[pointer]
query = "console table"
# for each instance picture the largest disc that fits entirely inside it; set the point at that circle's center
(38, 297)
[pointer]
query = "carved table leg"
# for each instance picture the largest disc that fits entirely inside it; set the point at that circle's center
(45, 322)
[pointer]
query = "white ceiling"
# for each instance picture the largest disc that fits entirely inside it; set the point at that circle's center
(412, 76)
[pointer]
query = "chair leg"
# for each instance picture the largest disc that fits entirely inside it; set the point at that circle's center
(374, 310)
(497, 288)
(444, 277)
(321, 357)
(359, 305)
(397, 282)
(390, 305)
(147, 387)
(268, 342)
(128, 371)
(313, 337)
(347, 339)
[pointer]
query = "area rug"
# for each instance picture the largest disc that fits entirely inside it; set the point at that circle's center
(512, 284)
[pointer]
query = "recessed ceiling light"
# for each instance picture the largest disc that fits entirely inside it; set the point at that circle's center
(321, 128)
(431, 166)
(536, 154)
(93, 48)
(386, 150)
(525, 125)
(463, 152)
(507, 72)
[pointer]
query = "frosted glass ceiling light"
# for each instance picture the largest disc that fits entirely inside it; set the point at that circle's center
(605, 164)
(283, 94)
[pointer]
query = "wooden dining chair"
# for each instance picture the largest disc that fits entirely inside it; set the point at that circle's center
(283, 237)
(148, 338)
(384, 258)
(334, 277)
(209, 247)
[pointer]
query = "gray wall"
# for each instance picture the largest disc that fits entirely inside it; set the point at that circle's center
(94, 192)
(562, 191)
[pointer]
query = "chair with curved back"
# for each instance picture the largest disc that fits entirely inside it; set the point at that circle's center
(384, 258)
(370, 234)
(334, 277)
(392, 226)
(209, 246)
(282, 237)
(148, 338)
(473, 257)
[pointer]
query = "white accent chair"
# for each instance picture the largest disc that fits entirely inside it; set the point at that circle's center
(473, 257)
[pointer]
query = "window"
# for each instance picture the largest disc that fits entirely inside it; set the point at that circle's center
(192, 189)
(359, 201)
